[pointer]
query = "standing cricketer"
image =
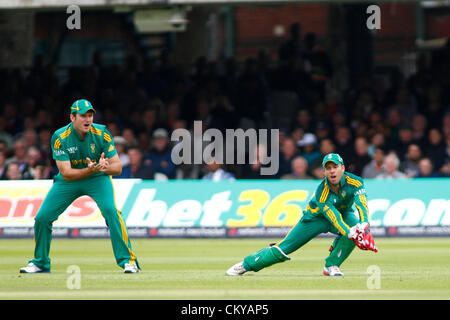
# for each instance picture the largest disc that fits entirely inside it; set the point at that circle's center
(329, 210)
(87, 159)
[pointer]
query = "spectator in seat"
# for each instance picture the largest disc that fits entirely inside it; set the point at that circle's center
(121, 148)
(411, 164)
(426, 169)
(391, 165)
(13, 171)
(375, 167)
(318, 173)
(160, 156)
(30, 138)
(405, 138)
(377, 141)
(309, 151)
(343, 142)
(326, 146)
(216, 171)
(34, 158)
(130, 137)
(288, 152)
(419, 130)
(254, 170)
(136, 168)
(20, 155)
(360, 158)
(299, 169)
(435, 149)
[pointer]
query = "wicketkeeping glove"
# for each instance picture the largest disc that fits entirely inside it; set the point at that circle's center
(360, 234)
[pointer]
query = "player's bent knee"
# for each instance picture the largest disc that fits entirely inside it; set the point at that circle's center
(265, 258)
(110, 213)
(43, 219)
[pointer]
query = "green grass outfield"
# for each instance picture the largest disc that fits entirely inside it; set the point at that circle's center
(178, 269)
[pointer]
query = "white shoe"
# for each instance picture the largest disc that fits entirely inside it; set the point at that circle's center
(32, 268)
(236, 270)
(332, 271)
(130, 268)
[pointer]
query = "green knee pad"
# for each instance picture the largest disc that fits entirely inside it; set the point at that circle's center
(265, 258)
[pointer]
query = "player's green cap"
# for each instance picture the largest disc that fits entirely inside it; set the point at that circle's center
(81, 106)
(333, 157)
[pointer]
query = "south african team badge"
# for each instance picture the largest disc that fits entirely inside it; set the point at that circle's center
(93, 147)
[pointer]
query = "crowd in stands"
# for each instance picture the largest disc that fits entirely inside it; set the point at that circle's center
(399, 129)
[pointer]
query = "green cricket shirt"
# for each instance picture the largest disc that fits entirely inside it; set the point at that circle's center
(331, 205)
(67, 145)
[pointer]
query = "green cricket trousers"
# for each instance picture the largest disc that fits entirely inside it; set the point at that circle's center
(305, 230)
(100, 188)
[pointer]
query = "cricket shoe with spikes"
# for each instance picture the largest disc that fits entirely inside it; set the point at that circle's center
(130, 268)
(236, 270)
(32, 268)
(332, 271)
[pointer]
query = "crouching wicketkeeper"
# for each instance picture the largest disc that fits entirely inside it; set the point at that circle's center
(330, 210)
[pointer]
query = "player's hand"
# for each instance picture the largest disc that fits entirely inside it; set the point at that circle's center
(103, 162)
(370, 242)
(93, 167)
(358, 229)
(366, 242)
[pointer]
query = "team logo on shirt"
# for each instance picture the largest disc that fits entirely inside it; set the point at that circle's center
(93, 147)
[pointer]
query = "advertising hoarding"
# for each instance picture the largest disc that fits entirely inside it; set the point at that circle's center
(243, 208)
